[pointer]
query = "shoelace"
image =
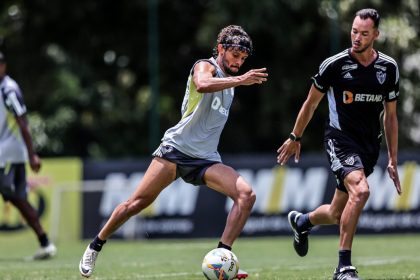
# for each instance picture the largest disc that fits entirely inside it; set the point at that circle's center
(90, 258)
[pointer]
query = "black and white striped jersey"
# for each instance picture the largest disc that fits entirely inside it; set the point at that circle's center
(356, 94)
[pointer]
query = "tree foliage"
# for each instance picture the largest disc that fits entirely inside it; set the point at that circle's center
(83, 67)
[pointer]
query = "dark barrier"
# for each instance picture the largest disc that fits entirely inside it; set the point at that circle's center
(183, 210)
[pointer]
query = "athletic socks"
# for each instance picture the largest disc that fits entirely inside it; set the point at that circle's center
(303, 223)
(344, 258)
(221, 245)
(96, 244)
(43, 240)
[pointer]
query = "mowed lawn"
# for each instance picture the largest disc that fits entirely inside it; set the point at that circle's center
(376, 257)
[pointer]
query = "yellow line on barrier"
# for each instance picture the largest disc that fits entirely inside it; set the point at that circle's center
(273, 205)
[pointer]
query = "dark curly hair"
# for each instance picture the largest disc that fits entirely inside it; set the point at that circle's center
(234, 36)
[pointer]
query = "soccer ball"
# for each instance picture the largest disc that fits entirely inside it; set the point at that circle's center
(220, 264)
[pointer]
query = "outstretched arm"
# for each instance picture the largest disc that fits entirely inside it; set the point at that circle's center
(205, 81)
(391, 136)
(290, 147)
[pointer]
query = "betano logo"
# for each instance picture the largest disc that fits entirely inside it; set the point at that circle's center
(349, 97)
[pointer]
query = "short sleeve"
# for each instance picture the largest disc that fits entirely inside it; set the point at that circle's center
(393, 90)
(322, 80)
(14, 102)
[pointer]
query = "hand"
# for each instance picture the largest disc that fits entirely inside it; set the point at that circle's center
(393, 174)
(254, 76)
(286, 150)
(35, 163)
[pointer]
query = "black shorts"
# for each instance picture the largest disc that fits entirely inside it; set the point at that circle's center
(345, 157)
(190, 169)
(13, 181)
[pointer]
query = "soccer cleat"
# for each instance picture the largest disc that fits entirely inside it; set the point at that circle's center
(300, 240)
(241, 274)
(346, 273)
(46, 252)
(87, 263)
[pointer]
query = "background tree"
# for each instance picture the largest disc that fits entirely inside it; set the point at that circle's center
(83, 67)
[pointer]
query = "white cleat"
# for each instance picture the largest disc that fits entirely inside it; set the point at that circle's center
(87, 263)
(44, 253)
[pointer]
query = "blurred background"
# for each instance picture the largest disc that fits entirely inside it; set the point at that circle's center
(104, 79)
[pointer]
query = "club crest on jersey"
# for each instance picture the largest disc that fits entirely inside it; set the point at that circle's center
(350, 160)
(381, 76)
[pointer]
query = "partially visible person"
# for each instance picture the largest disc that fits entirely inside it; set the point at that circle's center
(361, 84)
(15, 149)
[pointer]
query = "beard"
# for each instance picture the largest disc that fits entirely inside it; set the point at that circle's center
(361, 49)
(227, 69)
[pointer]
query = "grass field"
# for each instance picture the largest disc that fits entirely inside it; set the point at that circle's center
(377, 257)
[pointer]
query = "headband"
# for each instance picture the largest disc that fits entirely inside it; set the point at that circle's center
(241, 47)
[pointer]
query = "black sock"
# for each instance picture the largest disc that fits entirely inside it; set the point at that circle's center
(344, 258)
(303, 223)
(43, 240)
(96, 244)
(221, 245)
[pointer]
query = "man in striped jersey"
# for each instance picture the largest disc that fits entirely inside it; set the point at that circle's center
(189, 149)
(360, 83)
(15, 149)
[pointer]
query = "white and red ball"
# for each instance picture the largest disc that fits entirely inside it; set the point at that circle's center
(220, 264)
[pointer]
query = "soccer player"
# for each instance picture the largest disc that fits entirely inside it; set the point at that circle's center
(361, 83)
(189, 149)
(15, 149)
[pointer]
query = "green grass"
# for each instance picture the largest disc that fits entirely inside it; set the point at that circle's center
(377, 257)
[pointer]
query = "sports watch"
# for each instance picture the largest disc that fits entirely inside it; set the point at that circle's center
(293, 137)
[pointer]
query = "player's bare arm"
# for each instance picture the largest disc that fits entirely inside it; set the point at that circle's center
(391, 136)
(205, 81)
(34, 160)
(291, 147)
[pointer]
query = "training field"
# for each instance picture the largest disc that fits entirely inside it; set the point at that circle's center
(377, 257)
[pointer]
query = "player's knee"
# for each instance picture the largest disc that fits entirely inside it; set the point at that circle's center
(361, 195)
(252, 198)
(359, 188)
(247, 199)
